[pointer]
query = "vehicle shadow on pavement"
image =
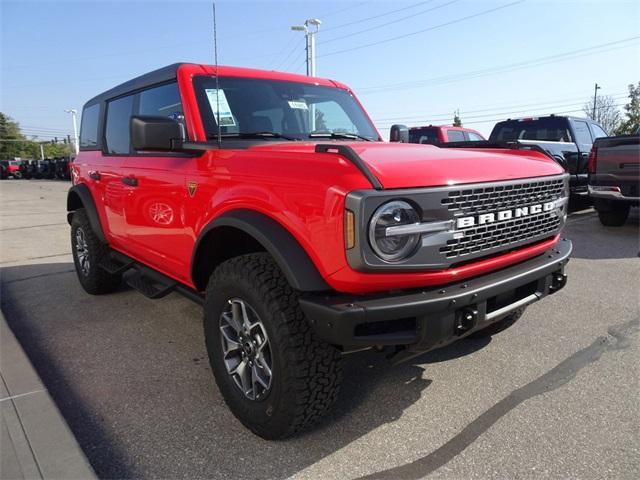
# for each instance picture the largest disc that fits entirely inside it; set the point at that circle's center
(586, 233)
(131, 378)
(35, 341)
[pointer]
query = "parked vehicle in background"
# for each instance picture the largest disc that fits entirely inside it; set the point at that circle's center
(442, 134)
(567, 139)
(61, 168)
(614, 177)
(272, 199)
(4, 169)
(11, 169)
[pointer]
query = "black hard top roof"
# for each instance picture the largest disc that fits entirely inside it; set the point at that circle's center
(160, 75)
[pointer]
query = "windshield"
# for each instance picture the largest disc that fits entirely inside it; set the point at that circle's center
(285, 110)
(548, 129)
(424, 135)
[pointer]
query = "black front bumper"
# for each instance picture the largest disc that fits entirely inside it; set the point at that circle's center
(434, 317)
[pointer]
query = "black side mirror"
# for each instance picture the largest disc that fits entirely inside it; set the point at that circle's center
(399, 133)
(156, 133)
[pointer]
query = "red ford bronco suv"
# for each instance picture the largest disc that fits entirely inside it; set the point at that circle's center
(271, 199)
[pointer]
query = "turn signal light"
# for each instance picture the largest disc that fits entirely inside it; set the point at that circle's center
(349, 229)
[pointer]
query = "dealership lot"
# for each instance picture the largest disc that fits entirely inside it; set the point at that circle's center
(554, 396)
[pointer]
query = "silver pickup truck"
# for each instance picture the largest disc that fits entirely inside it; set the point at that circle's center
(614, 177)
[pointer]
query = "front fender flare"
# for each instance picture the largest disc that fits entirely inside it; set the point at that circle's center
(292, 259)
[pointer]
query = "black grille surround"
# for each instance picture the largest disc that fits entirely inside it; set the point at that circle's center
(464, 242)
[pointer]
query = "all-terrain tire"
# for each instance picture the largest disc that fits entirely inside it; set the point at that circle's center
(499, 326)
(93, 279)
(306, 372)
(613, 214)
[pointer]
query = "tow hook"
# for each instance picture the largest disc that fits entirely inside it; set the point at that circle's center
(466, 319)
(557, 282)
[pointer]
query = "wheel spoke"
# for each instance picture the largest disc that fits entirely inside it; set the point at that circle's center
(229, 344)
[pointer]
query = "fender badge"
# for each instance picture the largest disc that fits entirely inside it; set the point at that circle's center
(191, 188)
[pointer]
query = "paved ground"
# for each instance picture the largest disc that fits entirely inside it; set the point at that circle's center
(555, 396)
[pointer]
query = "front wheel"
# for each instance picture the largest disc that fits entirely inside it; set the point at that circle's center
(275, 375)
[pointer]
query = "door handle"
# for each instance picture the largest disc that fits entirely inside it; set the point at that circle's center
(94, 175)
(131, 181)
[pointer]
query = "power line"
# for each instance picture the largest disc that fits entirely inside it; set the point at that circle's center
(362, 20)
(501, 69)
(488, 120)
(401, 19)
(451, 22)
(501, 110)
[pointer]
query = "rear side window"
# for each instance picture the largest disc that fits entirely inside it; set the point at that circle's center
(117, 129)
(89, 127)
(549, 129)
(582, 132)
(424, 136)
(598, 132)
(455, 136)
(163, 101)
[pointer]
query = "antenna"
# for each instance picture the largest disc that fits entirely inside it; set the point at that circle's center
(215, 59)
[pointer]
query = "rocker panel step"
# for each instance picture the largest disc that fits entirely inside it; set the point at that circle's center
(150, 287)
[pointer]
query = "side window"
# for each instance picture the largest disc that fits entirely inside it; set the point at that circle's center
(163, 101)
(455, 136)
(583, 136)
(475, 137)
(89, 127)
(598, 132)
(117, 129)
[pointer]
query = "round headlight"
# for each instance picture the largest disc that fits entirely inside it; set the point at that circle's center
(393, 247)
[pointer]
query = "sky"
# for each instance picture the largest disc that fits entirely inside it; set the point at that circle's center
(410, 62)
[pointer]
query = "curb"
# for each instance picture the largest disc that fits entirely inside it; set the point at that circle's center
(36, 440)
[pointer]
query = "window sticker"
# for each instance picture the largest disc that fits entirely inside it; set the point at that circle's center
(298, 104)
(220, 107)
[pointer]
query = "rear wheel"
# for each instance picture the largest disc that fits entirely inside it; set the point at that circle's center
(612, 214)
(88, 253)
(275, 375)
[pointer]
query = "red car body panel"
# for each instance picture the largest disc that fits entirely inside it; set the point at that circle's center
(158, 223)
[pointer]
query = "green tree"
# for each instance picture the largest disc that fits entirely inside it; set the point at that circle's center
(12, 142)
(632, 111)
(457, 122)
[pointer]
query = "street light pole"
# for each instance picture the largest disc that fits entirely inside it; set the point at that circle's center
(595, 98)
(310, 47)
(76, 141)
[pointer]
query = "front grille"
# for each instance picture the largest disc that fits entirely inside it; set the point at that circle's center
(502, 197)
(485, 237)
(480, 200)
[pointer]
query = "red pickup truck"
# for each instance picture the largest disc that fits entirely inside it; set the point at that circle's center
(271, 199)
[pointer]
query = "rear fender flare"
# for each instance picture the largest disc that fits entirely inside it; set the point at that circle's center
(79, 196)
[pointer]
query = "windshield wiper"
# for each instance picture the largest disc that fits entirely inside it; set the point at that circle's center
(345, 135)
(264, 134)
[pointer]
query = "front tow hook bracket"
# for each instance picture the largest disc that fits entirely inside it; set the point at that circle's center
(466, 319)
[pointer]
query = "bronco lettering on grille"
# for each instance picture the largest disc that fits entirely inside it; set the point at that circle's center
(465, 222)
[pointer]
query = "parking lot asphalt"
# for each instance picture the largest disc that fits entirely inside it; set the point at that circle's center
(554, 396)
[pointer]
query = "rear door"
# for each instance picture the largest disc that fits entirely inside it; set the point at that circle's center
(584, 141)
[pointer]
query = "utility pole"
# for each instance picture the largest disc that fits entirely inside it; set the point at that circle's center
(595, 98)
(41, 151)
(76, 141)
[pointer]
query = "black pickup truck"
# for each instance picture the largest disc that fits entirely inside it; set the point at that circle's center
(614, 177)
(567, 139)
